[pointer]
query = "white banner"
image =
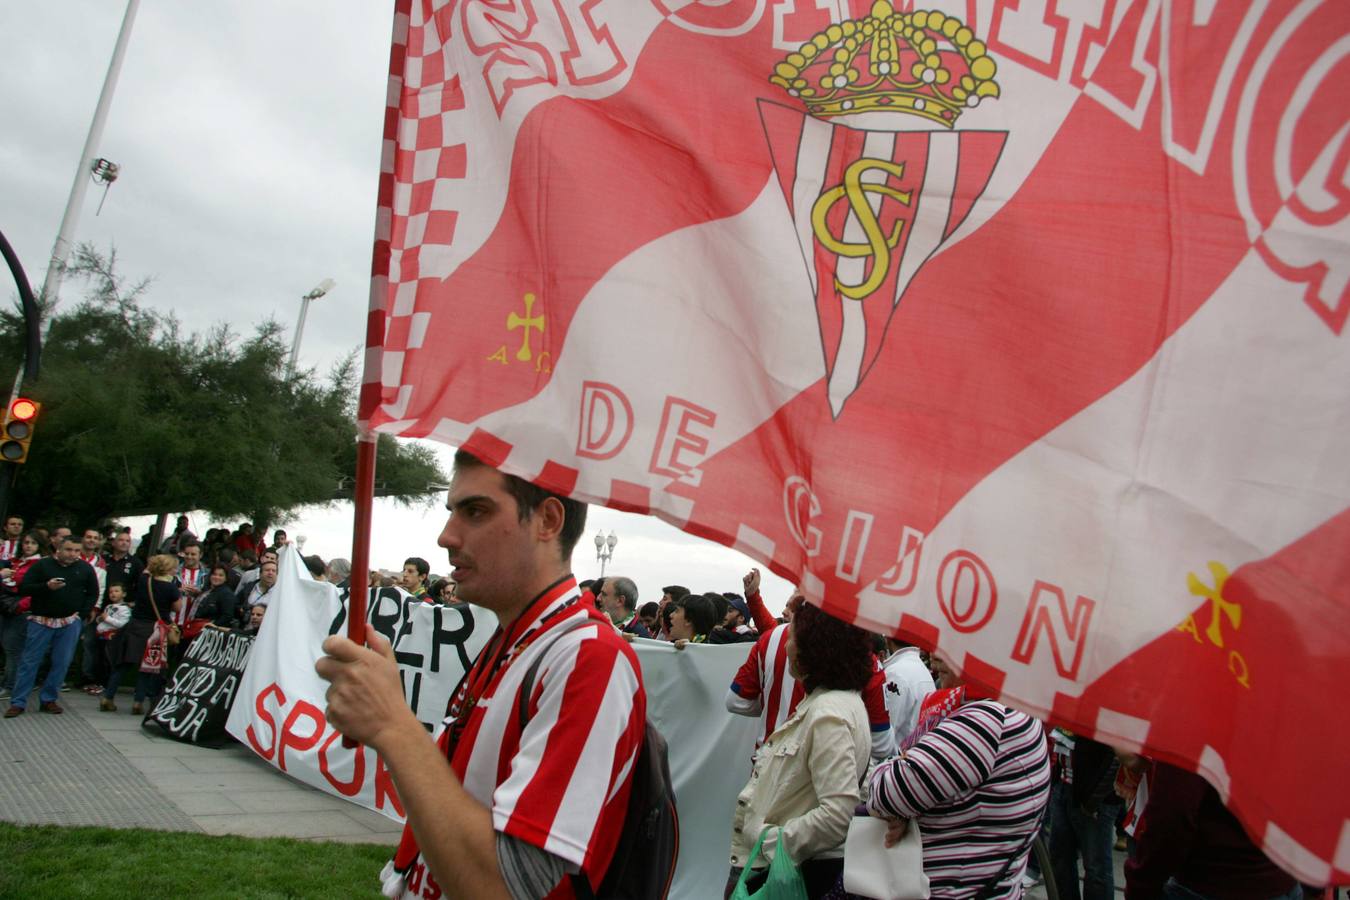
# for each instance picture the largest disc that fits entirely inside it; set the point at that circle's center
(279, 708)
(279, 711)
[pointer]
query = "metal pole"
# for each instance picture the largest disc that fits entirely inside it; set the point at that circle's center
(51, 288)
(299, 330)
(9, 471)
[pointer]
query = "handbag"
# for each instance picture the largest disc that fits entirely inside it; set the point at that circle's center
(784, 881)
(172, 633)
(154, 657)
(871, 869)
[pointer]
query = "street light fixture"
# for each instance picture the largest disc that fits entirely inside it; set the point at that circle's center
(322, 288)
(604, 549)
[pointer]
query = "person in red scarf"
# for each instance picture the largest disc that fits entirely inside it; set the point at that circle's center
(496, 809)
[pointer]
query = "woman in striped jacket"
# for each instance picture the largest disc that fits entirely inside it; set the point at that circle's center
(977, 784)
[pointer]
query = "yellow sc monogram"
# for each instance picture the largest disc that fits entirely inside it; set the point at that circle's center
(878, 244)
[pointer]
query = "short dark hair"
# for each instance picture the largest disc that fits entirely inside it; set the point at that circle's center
(626, 589)
(529, 496)
(830, 652)
(225, 556)
(676, 591)
(648, 609)
(666, 612)
(314, 562)
(700, 611)
(188, 542)
(720, 603)
(585, 585)
(248, 555)
(423, 567)
(218, 567)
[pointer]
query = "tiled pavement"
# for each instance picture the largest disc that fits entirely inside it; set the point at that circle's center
(88, 767)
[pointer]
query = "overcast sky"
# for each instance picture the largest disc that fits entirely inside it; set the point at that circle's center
(248, 135)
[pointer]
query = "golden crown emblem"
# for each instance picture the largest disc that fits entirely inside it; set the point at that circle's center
(924, 63)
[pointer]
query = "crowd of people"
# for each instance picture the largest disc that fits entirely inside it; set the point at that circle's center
(106, 610)
(851, 723)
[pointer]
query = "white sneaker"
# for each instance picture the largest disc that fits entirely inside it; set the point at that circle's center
(1029, 881)
(4, 693)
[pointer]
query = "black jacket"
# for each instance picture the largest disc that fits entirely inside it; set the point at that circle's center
(125, 571)
(77, 596)
(1094, 774)
(221, 606)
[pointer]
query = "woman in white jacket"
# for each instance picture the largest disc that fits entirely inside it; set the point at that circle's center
(807, 775)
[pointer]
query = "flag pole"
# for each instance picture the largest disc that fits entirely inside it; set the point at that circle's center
(358, 583)
(364, 499)
(363, 495)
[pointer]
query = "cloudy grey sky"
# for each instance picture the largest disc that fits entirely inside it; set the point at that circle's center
(248, 135)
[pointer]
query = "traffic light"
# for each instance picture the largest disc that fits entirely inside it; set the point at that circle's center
(18, 430)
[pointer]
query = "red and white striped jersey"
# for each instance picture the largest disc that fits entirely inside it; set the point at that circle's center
(189, 578)
(94, 559)
(764, 687)
(764, 683)
(9, 549)
(562, 783)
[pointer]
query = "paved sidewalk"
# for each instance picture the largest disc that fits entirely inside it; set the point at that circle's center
(94, 768)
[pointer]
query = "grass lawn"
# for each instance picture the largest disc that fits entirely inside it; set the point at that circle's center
(51, 861)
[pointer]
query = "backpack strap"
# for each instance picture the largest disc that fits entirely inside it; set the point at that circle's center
(987, 889)
(581, 886)
(527, 683)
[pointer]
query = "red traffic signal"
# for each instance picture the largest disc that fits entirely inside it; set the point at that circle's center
(17, 432)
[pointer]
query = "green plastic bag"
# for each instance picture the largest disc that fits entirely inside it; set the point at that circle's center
(785, 879)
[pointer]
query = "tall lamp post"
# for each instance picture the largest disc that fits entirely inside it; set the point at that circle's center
(604, 549)
(323, 287)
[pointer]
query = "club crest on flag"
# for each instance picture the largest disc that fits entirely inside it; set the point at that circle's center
(875, 174)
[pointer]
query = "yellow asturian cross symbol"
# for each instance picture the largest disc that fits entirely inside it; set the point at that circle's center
(1220, 608)
(525, 322)
(878, 244)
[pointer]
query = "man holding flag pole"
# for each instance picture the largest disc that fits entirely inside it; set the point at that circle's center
(497, 809)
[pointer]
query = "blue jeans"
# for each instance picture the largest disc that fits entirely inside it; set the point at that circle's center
(1174, 890)
(13, 630)
(62, 642)
(1075, 834)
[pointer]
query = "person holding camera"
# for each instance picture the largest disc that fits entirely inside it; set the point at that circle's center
(61, 591)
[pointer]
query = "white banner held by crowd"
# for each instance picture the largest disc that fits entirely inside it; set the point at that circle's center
(280, 708)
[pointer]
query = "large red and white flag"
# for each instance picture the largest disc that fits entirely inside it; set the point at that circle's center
(1017, 328)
